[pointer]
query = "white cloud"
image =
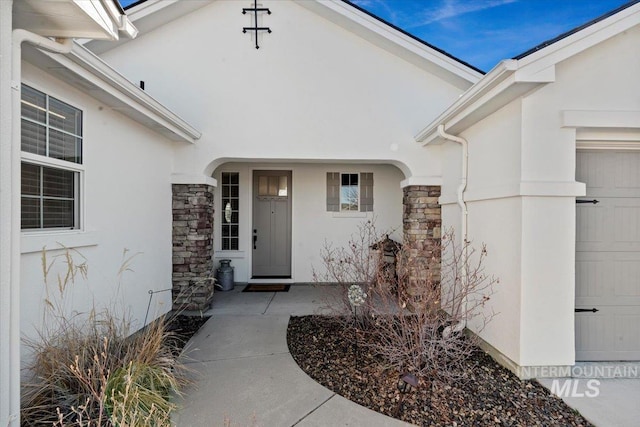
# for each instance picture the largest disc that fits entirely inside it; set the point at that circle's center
(453, 8)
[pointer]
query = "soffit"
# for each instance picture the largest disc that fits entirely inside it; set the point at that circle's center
(68, 18)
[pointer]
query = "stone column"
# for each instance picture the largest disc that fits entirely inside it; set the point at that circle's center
(421, 226)
(193, 272)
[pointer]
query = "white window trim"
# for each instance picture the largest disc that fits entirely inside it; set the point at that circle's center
(79, 168)
(357, 210)
(222, 210)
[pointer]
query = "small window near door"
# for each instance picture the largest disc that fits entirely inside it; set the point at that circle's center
(230, 211)
(349, 192)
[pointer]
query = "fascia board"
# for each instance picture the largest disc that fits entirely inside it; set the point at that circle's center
(91, 68)
(97, 11)
(500, 86)
(496, 78)
(392, 40)
(147, 16)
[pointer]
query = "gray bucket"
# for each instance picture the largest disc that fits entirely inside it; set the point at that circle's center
(224, 274)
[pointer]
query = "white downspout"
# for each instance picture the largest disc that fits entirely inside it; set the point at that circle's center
(463, 206)
(19, 36)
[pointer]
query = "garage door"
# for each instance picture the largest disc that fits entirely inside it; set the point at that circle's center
(608, 256)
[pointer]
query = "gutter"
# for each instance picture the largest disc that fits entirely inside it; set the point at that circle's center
(19, 36)
(463, 206)
(90, 67)
(491, 80)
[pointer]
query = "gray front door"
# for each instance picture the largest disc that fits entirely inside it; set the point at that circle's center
(271, 224)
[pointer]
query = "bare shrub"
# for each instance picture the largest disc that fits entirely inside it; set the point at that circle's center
(420, 329)
(417, 317)
(355, 264)
(89, 370)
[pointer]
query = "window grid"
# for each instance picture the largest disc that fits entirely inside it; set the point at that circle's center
(50, 193)
(349, 192)
(230, 211)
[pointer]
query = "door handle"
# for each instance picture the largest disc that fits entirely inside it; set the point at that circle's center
(584, 310)
(255, 239)
(594, 201)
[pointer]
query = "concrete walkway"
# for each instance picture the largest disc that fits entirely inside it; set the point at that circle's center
(245, 376)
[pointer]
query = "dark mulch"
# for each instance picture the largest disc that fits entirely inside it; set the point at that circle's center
(182, 328)
(489, 395)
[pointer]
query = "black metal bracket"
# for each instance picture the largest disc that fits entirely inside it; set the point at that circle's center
(594, 201)
(585, 310)
(255, 10)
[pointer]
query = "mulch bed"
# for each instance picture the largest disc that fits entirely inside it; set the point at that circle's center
(489, 395)
(182, 328)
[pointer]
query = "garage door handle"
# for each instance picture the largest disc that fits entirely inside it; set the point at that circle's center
(594, 201)
(583, 310)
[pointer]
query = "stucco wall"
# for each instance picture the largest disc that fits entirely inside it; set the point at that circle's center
(312, 91)
(601, 79)
(494, 215)
(126, 204)
(312, 224)
(521, 197)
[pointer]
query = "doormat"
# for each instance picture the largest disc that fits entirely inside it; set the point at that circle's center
(266, 288)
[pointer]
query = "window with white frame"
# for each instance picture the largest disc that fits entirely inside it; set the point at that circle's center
(51, 162)
(349, 192)
(230, 211)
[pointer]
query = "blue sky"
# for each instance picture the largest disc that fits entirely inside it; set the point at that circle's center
(483, 32)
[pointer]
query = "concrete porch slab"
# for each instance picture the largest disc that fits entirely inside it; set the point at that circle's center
(302, 300)
(238, 302)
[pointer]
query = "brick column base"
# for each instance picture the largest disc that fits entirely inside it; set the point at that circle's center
(193, 273)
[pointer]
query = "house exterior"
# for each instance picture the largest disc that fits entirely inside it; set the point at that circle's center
(547, 133)
(206, 136)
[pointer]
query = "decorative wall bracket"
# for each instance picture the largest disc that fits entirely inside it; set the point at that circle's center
(255, 10)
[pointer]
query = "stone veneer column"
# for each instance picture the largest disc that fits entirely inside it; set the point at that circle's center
(193, 273)
(421, 224)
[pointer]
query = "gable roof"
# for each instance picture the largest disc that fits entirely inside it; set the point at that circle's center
(513, 78)
(151, 14)
(406, 33)
(574, 30)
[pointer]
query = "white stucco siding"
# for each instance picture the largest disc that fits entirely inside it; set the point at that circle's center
(125, 200)
(494, 215)
(603, 78)
(548, 277)
(312, 91)
(312, 225)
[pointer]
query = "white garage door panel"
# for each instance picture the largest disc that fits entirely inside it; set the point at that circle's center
(608, 256)
(605, 335)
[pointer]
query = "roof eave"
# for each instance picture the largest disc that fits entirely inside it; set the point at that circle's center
(515, 77)
(394, 40)
(123, 95)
